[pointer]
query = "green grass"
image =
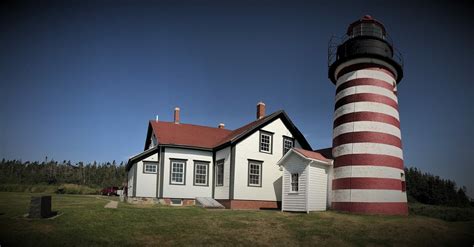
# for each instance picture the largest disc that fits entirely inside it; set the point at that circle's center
(85, 222)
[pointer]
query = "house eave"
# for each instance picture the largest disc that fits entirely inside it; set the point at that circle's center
(143, 155)
(323, 162)
(186, 147)
(278, 114)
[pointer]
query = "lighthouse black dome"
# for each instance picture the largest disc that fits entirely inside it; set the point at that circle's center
(366, 38)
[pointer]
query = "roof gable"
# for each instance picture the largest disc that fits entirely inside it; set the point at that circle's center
(141, 156)
(196, 136)
(246, 130)
(305, 154)
(312, 155)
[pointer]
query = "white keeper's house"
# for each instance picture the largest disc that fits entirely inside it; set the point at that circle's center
(252, 167)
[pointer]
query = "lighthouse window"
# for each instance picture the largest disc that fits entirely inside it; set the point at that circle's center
(266, 139)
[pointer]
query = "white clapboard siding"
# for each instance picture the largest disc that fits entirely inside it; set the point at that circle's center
(317, 191)
(222, 192)
(131, 178)
(188, 189)
(271, 173)
(294, 201)
(314, 183)
(146, 182)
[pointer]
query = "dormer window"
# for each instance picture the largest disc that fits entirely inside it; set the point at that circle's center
(266, 142)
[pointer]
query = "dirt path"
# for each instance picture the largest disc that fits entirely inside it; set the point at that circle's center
(111, 204)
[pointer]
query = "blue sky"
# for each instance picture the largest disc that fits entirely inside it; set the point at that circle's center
(80, 79)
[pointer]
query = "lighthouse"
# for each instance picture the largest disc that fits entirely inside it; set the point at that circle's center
(367, 147)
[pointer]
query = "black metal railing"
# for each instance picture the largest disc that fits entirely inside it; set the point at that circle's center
(335, 42)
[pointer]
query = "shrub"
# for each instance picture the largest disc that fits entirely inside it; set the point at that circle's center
(43, 188)
(37, 188)
(76, 189)
(442, 212)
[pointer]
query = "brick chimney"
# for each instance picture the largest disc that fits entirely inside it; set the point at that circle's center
(221, 126)
(260, 110)
(176, 115)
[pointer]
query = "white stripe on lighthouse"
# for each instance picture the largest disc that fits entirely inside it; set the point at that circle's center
(367, 148)
(366, 106)
(367, 195)
(365, 60)
(371, 126)
(367, 172)
(365, 73)
(366, 89)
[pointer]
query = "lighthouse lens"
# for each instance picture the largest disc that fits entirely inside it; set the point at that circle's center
(368, 29)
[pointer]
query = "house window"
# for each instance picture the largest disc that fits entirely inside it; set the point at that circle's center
(295, 182)
(149, 167)
(255, 173)
(201, 173)
(288, 143)
(220, 173)
(178, 172)
(266, 142)
(176, 202)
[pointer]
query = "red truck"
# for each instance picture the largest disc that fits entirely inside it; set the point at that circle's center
(109, 191)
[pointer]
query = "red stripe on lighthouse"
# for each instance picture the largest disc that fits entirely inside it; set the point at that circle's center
(366, 136)
(364, 81)
(367, 97)
(396, 208)
(367, 183)
(366, 116)
(368, 160)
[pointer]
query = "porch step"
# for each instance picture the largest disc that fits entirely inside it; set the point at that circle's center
(207, 202)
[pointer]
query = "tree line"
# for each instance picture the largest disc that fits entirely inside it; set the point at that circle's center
(53, 172)
(430, 189)
(422, 187)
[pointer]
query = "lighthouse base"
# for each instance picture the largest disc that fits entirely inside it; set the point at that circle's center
(384, 208)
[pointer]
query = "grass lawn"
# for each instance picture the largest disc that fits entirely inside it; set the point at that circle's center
(85, 222)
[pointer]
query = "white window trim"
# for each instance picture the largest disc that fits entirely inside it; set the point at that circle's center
(286, 138)
(292, 182)
(152, 164)
(177, 161)
(206, 165)
(221, 164)
(270, 144)
(260, 174)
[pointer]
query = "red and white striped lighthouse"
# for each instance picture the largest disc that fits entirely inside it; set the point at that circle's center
(367, 146)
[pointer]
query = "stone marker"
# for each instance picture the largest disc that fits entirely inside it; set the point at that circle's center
(40, 207)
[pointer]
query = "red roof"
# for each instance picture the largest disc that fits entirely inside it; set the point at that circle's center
(312, 154)
(169, 133)
(188, 134)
